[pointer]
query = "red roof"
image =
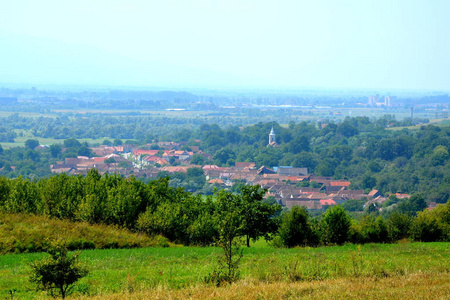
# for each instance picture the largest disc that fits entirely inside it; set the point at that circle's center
(173, 169)
(211, 167)
(340, 183)
(402, 196)
(144, 152)
(293, 178)
(373, 192)
(99, 159)
(162, 161)
(243, 165)
(327, 202)
(152, 158)
(216, 180)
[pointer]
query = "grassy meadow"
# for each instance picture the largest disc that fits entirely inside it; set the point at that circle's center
(371, 271)
(23, 233)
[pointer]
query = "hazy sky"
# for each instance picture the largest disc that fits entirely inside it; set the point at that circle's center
(382, 44)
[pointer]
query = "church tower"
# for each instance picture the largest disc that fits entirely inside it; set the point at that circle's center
(272, 140)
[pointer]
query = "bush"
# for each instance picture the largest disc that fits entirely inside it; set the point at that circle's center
(398, 226)
(57, 273)
(431, 226)
(369, 230)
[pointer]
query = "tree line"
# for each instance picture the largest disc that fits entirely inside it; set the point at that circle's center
(158, 209)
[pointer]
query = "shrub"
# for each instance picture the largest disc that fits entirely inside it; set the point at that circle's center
(398, 226)
(431, 226)
(369, 230)
(57, 273)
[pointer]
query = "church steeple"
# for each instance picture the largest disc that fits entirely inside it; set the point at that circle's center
(272, 137)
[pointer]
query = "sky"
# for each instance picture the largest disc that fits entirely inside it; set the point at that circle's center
(358, 44)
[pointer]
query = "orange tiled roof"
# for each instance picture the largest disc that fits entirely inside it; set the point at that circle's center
(327, 202)
(144, 152)
(340, 183)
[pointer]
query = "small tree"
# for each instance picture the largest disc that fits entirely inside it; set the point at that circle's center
(294, 229)
(335, 226)
(229, 225)
(229, 229)
(257, 216)
(57, 273)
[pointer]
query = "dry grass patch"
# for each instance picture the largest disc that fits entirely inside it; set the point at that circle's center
(415, 286)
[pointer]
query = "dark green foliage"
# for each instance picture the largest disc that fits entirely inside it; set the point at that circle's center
(347, 129)
(197, 159)
(426, 228)
(57, 273)
(84, 151)
(299, 144)
(368, 181)
(398, 226)
(354, 205)
(72, 143)
(203, 230)
(413, 205)
(295, 229)
(431, 226)
(55, 150)
(224, 156)
(335, 226)
(31, 143)
(256, 214)
(369, 229)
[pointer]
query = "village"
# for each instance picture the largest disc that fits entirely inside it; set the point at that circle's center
(287, 185)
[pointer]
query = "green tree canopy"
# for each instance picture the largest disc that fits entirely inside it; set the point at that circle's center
(335, 225)
(31, 143)
(295, 229)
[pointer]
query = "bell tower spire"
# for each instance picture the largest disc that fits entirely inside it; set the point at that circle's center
(272, 137)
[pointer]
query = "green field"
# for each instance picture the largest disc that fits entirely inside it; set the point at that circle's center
(145, 271)
(19, 141)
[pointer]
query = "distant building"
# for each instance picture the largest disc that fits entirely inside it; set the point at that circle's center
(377, 101)
(373, 100)
(272, 140)
(290, 171)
